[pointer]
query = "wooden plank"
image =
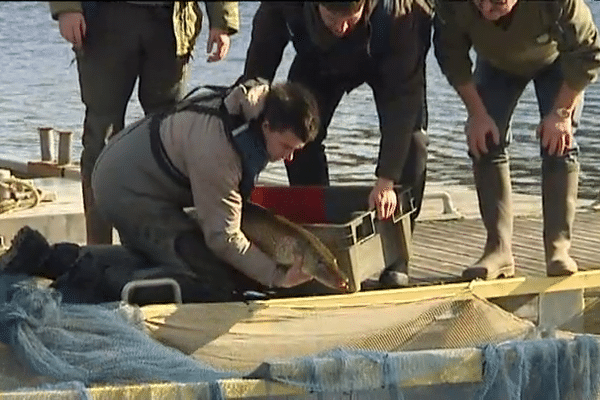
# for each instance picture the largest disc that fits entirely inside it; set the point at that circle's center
(485, 289)
(442, 249)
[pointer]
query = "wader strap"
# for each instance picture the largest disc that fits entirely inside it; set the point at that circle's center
(160, 154)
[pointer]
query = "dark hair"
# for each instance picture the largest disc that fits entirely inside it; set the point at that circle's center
(343, 7)
(291, 106)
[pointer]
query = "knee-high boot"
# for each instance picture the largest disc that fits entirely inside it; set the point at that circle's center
(492, 180)
(559, 197)
(31, 254)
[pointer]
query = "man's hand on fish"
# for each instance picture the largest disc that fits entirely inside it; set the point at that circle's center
(383, 198)
(295, 276)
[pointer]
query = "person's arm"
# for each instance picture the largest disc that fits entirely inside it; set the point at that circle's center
(269, 37)
(59, 7)
(556, 128)
(224, 20)
(399, 101)
(451, 46)
(71, 22)
(215, 172)
(479, 124)
(579, 47)
(451, 43)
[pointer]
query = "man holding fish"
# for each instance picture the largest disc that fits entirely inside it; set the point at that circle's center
(205, 153)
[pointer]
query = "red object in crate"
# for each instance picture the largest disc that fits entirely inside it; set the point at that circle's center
(301, 204)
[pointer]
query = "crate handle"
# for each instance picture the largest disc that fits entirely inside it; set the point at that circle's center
(132, 285)
(366, 229)
(401, 210)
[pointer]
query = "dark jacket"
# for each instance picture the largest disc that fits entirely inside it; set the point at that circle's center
(187, 19)
(390, 45)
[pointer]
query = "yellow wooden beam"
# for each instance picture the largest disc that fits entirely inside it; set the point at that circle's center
(440, 367)
(486, 289)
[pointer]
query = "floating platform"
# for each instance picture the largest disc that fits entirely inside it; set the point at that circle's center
(448, 237)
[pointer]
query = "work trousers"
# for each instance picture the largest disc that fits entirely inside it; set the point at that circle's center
(125, 42)
(500, 91)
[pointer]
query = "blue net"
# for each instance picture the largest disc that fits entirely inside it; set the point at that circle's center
(81, 344)
(103, 343)
(549, 369)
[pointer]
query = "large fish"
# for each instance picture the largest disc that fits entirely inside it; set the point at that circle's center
(282, 239)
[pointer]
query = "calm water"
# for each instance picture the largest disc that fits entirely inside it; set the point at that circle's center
(38, 87)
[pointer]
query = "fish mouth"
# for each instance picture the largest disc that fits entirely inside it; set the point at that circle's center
(332, 278)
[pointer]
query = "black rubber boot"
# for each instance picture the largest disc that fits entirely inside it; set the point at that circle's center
(393, 276)
(27, 253)
(60, 260)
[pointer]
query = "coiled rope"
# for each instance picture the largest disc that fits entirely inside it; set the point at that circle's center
(18, 194)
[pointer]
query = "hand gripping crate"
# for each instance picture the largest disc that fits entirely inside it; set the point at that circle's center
(339, 216)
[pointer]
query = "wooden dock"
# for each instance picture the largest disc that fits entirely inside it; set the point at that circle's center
(448, 236)
(444, 248)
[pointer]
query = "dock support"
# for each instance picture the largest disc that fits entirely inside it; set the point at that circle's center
(562, 310)
(65, 141)
(46, 143)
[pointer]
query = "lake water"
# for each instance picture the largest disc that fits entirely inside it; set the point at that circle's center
(39, 87)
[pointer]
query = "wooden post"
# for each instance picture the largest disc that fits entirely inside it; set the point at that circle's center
(64, 147)
(46, 143)
(5, 174)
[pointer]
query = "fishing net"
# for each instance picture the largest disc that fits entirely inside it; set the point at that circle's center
(549, 369)
(104, 343)
(240, 336)
(451, 348)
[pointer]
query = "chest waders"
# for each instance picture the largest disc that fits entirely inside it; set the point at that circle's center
(244, 138)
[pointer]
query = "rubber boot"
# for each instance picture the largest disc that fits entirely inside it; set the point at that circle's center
(98, 231)
(28, 251)
(492, 180)
(31, 254)
(559, 198)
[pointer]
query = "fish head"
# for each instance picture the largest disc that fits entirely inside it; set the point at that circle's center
(329, 274)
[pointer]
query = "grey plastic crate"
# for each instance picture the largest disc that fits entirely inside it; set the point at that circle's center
(363, 245)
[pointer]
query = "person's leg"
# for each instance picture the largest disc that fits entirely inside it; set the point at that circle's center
(163, 74)
(140, 204)
(413, 172)
(107, 67)
(500, 92)
(413, 176)
(560, 175)
(31, 254)
(169, 237)
(309, 166)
